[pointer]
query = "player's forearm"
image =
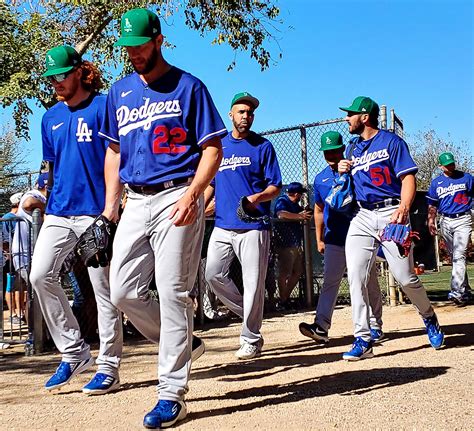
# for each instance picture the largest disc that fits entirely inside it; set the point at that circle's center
(319, 226)
(208, 165)
(268, 194)
(113, 186)
(407, 194)
(286, 215)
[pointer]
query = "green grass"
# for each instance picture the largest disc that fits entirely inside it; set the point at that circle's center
(438, 284)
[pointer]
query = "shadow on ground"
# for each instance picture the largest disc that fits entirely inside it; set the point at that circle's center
(347, 383)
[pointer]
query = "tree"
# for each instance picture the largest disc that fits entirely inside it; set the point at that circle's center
(12, 160)
(425, 149)
(29, 28)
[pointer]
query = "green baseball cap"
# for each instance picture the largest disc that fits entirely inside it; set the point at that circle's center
(61, 59)
(245, 97)
(362, 105)
(446, 159)
(138, 26)
(331, 141)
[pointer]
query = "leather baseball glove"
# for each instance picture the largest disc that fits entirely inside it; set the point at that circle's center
(248, 214)
(94, 246)
(401, 234)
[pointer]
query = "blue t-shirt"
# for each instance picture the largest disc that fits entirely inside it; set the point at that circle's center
(452, 195)
(336, 224)
(71, 142)
(378, 164)
(8, 227)
(160, 126)
(287, 234)
(249, 166)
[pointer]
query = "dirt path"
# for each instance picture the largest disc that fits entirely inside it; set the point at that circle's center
(294, 385)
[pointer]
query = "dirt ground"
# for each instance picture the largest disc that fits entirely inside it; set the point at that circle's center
(294, 385)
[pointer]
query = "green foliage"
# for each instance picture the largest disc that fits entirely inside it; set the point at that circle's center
(28, 28)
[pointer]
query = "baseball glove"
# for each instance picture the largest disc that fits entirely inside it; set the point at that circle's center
(248, 214)
(401, 234)
(94, 246)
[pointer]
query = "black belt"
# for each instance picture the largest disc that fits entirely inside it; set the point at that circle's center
(456, 215)
(378, 205)
(157, 188)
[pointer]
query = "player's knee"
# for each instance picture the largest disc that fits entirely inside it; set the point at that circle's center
(38, 277)
(409, 281)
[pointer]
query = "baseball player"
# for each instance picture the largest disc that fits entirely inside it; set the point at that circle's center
(165, 146)
(287, 237)
(451, 195)
(76, 154)
(249, 168)
(384, 185)
(331, 231)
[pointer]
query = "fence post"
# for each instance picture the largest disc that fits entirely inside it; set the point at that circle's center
(38, 341)
(392, 288)
(383, 117)
(306, 226)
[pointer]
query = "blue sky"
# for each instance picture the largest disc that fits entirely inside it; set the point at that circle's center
(411, 55)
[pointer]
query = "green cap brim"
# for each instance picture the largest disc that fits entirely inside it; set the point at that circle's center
(350, 109)
(331, 147)
(447, 162)
(132, 40)
(57, 71)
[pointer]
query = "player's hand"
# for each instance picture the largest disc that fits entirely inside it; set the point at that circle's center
(184, 212)
(306, 215)
(432, 228)
(253, 201)
(344, 166)
(211, 208)
(321, 246)
(111, 214)
(400, 215)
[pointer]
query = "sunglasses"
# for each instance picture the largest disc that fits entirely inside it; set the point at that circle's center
(60, 77)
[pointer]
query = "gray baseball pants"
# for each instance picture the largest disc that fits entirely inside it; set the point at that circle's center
(252, 248)
(362, 243)
(56, 240)
(456, 233)
(334, 268)
(146, 244)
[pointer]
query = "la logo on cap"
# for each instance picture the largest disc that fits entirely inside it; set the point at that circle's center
(128, 26)
(363, 109)
(51, 61)
(328, 140)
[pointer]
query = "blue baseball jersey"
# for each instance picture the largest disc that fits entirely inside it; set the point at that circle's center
(160, 126)
(287, 234)
(71, 142)
(249, 166)
(336, 224)
(452, 195)
(377, 166)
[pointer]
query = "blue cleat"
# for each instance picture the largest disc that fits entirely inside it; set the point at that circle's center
(66, 371)
(165, 414)
(377, 336)
(435, 335)
(360, 350)
(101, 384)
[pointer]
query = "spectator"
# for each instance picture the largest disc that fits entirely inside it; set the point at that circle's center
(288, 236)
